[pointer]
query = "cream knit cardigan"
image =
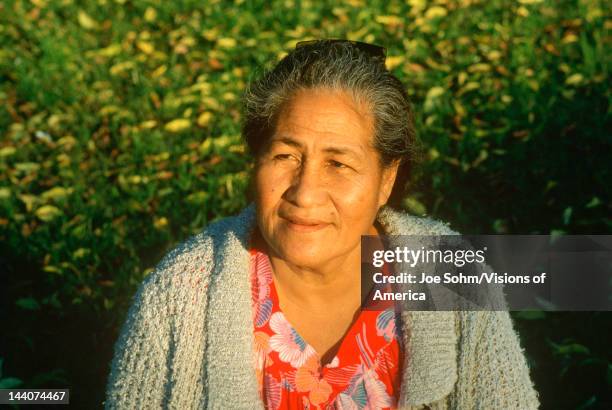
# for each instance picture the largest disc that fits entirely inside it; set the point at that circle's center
(187, 340)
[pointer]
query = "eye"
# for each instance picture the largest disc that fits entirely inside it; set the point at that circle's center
(286, 159)
(337, 164)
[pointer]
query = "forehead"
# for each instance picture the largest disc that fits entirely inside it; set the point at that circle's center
(323, 115)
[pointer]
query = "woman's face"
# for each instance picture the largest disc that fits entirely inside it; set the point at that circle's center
(319, 182)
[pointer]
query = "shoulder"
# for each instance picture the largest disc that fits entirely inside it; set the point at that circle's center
(492, 367)
(189, 264)
(399, 222)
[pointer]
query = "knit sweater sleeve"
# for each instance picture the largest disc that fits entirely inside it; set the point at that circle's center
(138, 373)
(492, 369)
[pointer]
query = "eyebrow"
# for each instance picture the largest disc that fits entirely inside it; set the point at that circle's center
(339, 150)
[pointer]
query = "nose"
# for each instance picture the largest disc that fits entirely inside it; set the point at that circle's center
(307, 187)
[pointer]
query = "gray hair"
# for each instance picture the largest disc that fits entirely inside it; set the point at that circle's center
(337, 66)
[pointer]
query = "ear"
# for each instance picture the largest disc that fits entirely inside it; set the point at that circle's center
(389, 173)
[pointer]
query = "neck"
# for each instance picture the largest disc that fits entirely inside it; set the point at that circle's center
(312, 289)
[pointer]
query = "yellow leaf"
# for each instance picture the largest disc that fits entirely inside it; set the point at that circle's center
(228, 96)
(150, 14)
(108, 109)
(574, 79)
(81, 252)
(433, 154)
(7, 151)
(136, 179)
(204, 88)
(5, 193)
(197, 198)
(472, 85)
(55, 193)
(417, 5)
(178, 125)
(47, 213)
(479, 68)
(483, 155)
(393, 61)
(86, 21)
(462, 77)
(494, 55)
(27, 167)
(226, 42)
(431, 98)
(204, 119)
(237, 149)
(162, 156)
(54, 120)
(29, 201)
(145, 47)
(434, 92)
(461, 112)
(160, 223)
(530, 1)
(570, 38)
(389, 20)
(190, 41)
(435, 11)
(147, 125)
(298, 32)
(210, 35)
(110, 51)
(437, 66)
(64, 160)
(159, 71)
(121, 67)
(211, 103)
(206, 146)
(52, 269)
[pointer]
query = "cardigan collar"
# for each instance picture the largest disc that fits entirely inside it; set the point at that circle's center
(430, 366)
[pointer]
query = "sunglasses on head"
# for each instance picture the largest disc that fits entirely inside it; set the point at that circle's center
(372, 50)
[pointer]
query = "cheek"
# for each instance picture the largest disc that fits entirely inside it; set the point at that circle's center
(268, 188)
(356, 205)
(357, 195)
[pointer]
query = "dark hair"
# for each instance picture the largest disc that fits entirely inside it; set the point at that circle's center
(344, 67)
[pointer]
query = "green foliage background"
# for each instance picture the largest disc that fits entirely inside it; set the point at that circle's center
(119, 137)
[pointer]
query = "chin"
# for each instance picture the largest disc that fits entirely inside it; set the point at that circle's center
(303, 255)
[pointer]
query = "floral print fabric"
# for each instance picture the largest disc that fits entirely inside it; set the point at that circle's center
(364, 374)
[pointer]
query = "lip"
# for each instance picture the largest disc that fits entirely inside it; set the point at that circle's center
(304, 225)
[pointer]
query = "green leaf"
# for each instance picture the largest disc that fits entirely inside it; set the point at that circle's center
(587, 404)
(567, 215)
(28, 303)
(593, 202)
(569, 349)
(531, 314)
(10, 383)
(414, 206)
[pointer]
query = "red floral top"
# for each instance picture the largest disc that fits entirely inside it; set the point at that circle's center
(365, 373)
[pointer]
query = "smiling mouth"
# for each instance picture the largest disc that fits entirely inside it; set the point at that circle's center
(305, 225)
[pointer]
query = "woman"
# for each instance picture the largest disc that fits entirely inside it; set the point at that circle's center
(263, 310)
